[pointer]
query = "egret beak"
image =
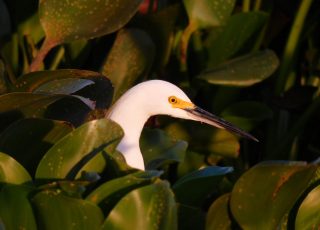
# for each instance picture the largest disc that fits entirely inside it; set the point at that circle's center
(211, 119)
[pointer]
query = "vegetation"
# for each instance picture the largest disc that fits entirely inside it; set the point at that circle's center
(255, 63)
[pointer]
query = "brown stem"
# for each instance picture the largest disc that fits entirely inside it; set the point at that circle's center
(47, 45)
(184, 45)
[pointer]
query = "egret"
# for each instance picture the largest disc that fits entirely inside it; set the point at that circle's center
(156, 97)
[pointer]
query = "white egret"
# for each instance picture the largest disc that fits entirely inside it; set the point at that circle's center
(156, 97)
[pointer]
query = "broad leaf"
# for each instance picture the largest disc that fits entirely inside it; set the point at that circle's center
(158, 149)
(15, 209)
(100, 92)
(69, 20)
(88, 142)
(35, 137)
(218, 214)
(244, 71)
(11, 171)
(193, 188)
(149, 207)
(308, 215)
(208, 13)
(226, 42)
(54, 210)
(5, 21)
(259, 199)
(109, 193)
(247, 114)
(63, 86)
(130, 58)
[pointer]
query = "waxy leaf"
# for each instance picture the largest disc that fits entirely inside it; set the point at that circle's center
(149, 207)
(11, 171)
(35, 137)
(69, 155)
(247, 114)
(231, 38)
(69, 20)
(218, 214)
(193, 188)
(130, 58)
(85, 83)
(54, 210)
(308, 216)
(208, 13)
(159, 149)
(15, 209)
(244, 71)
(259, 199)
(108, 194)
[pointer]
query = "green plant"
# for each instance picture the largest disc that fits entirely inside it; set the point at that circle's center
(58, 165)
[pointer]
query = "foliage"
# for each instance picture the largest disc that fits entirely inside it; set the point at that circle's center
(255, 63)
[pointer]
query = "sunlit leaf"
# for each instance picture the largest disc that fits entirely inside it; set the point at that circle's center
(259, 199)
(308, 216)
(35, 137)
(244, 71)
(68, 156)
(54, 210)
(130, 58)
(15, 209)
(109, 193)
(205, 13)
(193, 188)
(218, 214)
(155, 203)
(11, 171)
(68, 20)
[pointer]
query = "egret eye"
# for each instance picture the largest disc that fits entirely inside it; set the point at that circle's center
(173, 100)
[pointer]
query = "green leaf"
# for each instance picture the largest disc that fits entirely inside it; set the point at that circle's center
(190, 218)
(149, 207)
(15, 209)
(158, 149)
(35, 137)
(14, 106)
(259, 199)
(193, 188)
(208, 13)
(54, 210)
(308, 216)
(3, 77)
(226, 42)
(69, 20)
(130, 58)
(63, 86)
(100, 92)
(5, 22)
(68, 156)
(109, 193)
(218, 214)
(11, 171)
(247, 114)
(244, 71)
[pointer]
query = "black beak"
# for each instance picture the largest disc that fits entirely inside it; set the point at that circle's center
(211, 119)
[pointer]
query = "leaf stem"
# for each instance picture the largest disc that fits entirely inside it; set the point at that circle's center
(185, 37)
(291, 46)
(246, 6)
(57, 58)
(257, 5)
(44, 50)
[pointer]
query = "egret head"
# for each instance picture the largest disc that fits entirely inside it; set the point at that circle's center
(160, 97)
